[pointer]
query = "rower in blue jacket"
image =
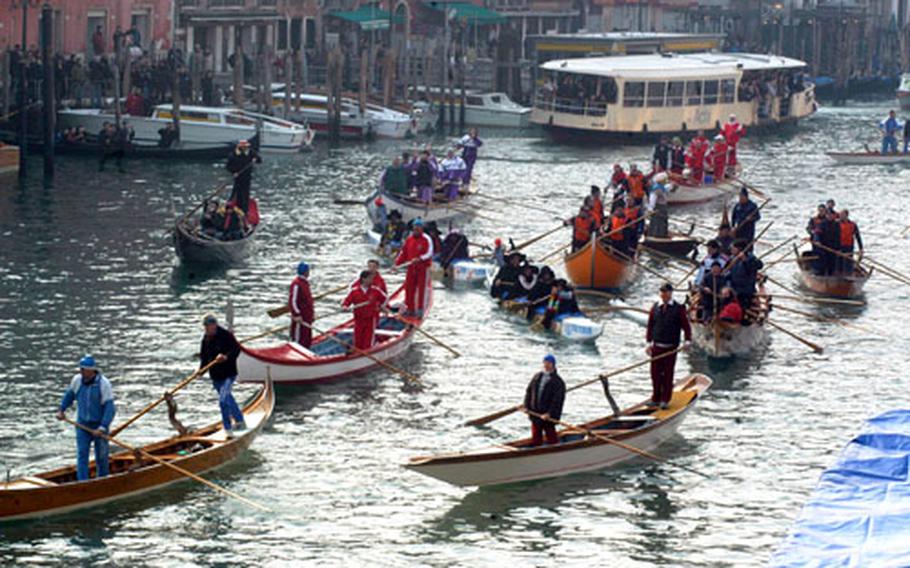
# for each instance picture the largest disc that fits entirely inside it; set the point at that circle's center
(94, 398)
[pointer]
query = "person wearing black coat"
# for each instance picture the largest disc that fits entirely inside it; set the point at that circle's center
(240, 163)
(506, 280)
(743, 273)
(545, 396)
(220, 346)
(829, 238)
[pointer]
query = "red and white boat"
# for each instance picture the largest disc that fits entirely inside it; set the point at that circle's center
(686, 193)
(326, 359)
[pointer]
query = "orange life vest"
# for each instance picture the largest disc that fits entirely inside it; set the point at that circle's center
(847, 231)
(582, 228)
(597, 212)
(631, 215)
(637, 185)
(616, 225)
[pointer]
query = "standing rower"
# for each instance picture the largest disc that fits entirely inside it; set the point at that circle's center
(469, 145)
(890, 127)
(733, 132)
(417, 251)
(240, 164)
(666, 322)
(745, 216)
(219, 344)
(698, 149)
(545, 395)
(717, 157)
(94, 398)
(378, 281)
(300, 302)
(366, 300)
(849, 233)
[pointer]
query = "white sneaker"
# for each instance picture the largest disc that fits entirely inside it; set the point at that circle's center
(239, 426)
(229, 434)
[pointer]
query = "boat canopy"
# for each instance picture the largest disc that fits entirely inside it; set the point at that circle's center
(471, 13)
(859, 513)
(670, 65)
(368, 17)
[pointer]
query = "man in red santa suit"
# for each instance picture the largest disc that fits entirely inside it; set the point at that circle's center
(733, 132)
(695, 157)
(717, 157)
(417, 252)
(300, 303)
(366, 299)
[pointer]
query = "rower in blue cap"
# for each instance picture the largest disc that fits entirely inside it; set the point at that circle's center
(94, 398)
(545, 396)
(300, 305)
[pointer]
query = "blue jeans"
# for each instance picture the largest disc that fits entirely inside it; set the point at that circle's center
(906, 144)
(84, 441)
(889, 145)
(229, 407)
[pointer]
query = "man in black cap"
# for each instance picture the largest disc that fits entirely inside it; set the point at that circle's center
(745, 216)
(219, 344)
(666, 322)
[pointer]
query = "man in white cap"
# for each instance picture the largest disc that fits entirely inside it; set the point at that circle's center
(94, 398)
(733, 132)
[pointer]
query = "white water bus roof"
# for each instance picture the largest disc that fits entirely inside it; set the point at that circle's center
(672, 65)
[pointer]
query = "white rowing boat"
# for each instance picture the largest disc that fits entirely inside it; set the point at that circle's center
(869, 158)
(640, 426)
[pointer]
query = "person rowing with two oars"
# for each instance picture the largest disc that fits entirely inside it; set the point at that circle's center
(94, 398)
(220, 345)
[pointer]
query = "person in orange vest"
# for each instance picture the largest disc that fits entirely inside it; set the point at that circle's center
(636, 183)
(633, 229)
(615, 231)
(717, 158)
(597, 207)
(300, 303)
(733, 132)
(849, 233)
(417, 251)
(583, 226)
(366, 300)
(695, 159)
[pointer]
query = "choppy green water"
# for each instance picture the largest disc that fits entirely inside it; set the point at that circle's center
(86, 265)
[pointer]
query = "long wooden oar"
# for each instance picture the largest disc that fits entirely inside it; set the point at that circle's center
(641, 265)
(813, 346)
(751, 188)
(553, 253)
(278, 312)
(617, 443)
(616, 308)
(218, 190)
(887, 271)
(429, 336)
(598, 293)
(835, 321)
(110, 438)
(409, 376)
(502, 413)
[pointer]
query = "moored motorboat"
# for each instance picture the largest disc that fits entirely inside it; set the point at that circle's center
(721, 339)
(574, 326)
(328, 358)
(903, 91)
(640, 426)
(835, 285)
(598, 267)
(199, 451)
(869, 158)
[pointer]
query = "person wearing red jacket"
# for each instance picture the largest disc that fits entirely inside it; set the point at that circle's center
(731, 312)
(666, 322)
(300, 303)
(378, 281)
(717, 157)
(366, 300)
(695, 157)
(417, 251)
(733, 132)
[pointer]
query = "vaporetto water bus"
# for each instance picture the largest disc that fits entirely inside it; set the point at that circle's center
(642, 96)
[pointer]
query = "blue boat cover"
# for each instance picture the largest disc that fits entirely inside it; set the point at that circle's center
(859, 513)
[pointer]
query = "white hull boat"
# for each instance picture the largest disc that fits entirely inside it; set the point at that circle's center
(869, 158)
(411, 208)
(639, 426)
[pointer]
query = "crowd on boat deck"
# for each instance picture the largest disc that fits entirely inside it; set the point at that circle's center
(834, 238)
(545, 297)
(893, 129)
(234, 218)
(423, 174)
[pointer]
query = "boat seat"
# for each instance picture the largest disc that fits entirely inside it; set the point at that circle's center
(301, 350)
(38, 481)
(202, 439)
(387, 333)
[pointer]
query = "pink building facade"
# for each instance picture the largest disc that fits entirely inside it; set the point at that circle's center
(76, 20)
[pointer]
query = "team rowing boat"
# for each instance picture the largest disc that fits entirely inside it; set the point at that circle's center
(411, 208)
(640, 426)
(683, 193)
(868, 158)
(205, 449)
(574, 327)
(328, 358)
(721, 340)
(596, 266)
(835, 285)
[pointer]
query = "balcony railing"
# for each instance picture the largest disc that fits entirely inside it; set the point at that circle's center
(570, 106)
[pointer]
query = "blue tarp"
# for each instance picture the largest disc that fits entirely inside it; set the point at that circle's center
(859, 513)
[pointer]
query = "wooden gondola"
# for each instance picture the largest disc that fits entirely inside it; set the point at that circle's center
(201, 450)
(721, 340)
(675, 244)
(836, 285)
(596, 266)
(640, 426)
(685, 192)
(194, 247)
(411, 208)
(329, 359)
(574, 327)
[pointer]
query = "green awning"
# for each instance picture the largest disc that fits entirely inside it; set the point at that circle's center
(368, 17)
(471, 13)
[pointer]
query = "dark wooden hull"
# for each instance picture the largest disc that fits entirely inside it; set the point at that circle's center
(191, 248)
(834, 286)
(678, 246)
(57, 492)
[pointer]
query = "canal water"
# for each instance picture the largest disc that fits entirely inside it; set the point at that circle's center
(86, 265)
